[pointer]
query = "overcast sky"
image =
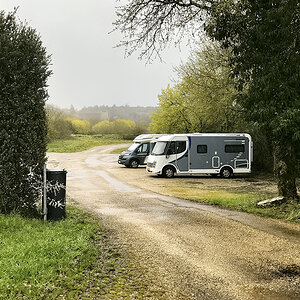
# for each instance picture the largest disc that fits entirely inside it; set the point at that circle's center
(87, 69)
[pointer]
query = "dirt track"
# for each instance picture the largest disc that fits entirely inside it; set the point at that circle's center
(188, 250)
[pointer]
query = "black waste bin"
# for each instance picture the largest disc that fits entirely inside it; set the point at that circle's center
(56, 194)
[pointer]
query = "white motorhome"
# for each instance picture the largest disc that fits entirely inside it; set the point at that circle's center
(139, 151)
(222, 154)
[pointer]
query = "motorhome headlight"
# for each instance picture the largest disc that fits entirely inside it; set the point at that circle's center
(151, 164)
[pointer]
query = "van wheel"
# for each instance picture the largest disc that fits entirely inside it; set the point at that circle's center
(134, 163)
(168, 172)
(226, 173)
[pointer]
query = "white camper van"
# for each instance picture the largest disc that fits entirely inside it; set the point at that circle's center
(201, 153)
(139, 151)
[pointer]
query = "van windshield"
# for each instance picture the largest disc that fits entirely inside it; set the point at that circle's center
(159, 148)
(133, 146)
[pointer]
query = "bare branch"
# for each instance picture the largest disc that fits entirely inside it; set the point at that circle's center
(151, 25)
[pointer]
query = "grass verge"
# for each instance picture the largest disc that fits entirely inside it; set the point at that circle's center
(243, 201)
(69, 259)
(83, 142)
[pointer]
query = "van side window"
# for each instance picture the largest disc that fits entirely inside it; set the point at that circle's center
(143, 148)
(234, 148)
(201, 148)
(180, 146)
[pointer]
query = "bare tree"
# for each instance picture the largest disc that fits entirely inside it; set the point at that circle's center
(151, 25)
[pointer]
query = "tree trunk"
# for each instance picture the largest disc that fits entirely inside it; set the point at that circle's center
(285, 169)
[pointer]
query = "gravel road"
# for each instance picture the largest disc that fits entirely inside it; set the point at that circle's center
(188, 250)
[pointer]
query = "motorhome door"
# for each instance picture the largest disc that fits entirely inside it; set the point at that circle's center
(182, 159)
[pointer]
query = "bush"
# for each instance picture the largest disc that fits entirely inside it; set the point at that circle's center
(59, 124)
(81, 126)
(103, 127)
(23, 80)
(139, 128)
(125, 129)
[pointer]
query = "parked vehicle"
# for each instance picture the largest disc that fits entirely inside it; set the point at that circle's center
(222, 154)
(139, 151)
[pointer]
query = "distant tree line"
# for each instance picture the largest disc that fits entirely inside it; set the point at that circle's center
(95, 114)
(62, 125)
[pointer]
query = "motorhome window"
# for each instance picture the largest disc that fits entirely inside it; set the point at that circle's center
(171, 149)
(152, 146)
(133, 146)
(201, 148)
(234, 148)
(180, 146)
(159, 148)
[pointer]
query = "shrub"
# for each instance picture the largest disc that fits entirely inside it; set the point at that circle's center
(124, 128)
(23, 81)
(103, 127)
(59, 124)
(81, 126)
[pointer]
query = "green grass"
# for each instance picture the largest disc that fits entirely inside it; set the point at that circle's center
(243, 201)
(118, 150)
(68, 259)
(83, 142)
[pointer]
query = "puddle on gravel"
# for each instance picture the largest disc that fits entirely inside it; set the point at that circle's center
(288, 271)
(77, 174)
(124, 214)
(116, 184)
(251, 220)
(92, 161)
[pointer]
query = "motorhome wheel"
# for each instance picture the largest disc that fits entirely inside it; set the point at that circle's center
(168, 172)
(134, 163)
(226, 173)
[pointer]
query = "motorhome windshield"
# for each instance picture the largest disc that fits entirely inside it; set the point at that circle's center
(159, 148)
(133, 146)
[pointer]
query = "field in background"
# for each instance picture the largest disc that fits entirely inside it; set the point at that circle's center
(79, 143)
(118, 150)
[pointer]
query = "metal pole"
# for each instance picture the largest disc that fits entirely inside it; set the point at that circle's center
(45, 194)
